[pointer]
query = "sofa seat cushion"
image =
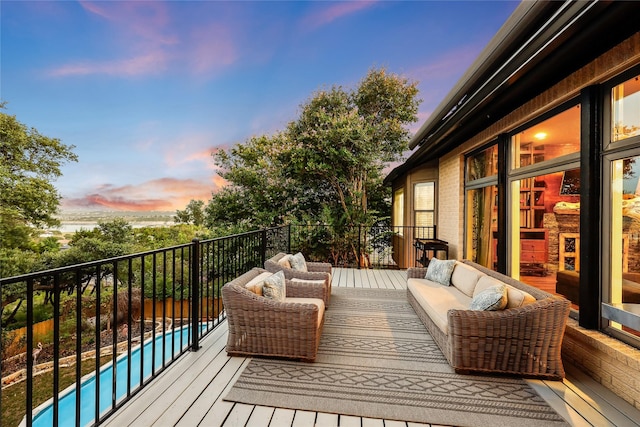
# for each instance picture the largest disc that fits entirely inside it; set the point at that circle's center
(436, 300)
(465, 278)
(316, 301)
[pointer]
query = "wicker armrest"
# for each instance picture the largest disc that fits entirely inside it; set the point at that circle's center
(416, 272)
(525, 341)
(306, 290)
(318, 267)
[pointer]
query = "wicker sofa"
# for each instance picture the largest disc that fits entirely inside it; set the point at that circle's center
(525, 340)
(315, 271)
(259, 326)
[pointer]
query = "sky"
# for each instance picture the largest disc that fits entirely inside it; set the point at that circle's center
(147, 90)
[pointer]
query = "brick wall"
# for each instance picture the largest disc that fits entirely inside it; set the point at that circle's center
(451, 202)
(612, 363)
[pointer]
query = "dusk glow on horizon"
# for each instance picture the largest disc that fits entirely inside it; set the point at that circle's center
(147, 90)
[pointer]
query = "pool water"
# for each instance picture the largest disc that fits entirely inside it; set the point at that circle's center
(43, 415)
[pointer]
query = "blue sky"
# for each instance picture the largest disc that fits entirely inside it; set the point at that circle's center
(147, 90)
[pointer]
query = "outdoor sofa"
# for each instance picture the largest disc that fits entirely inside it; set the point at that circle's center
(524, 338)
(316, 271)
(259, 326)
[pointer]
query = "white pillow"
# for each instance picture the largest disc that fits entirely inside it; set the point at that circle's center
(275, 287)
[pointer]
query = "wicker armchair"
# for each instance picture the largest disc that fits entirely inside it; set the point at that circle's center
(315, 271)
(259, 326)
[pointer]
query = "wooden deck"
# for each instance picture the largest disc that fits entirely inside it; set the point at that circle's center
(189, 393)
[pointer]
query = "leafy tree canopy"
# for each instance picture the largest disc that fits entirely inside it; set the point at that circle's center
(326, 166)
(29, 162)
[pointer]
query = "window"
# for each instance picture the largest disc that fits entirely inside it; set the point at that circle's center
(483, 164)
(482, 225)
(424, 209)
(398, 209)
(624, 276)
(550, 139)
(625, 117)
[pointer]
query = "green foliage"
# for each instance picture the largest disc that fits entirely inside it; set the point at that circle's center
(192, 214)
(29, 163)
(326, 167)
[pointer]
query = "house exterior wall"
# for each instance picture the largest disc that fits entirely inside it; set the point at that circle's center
(610, 362)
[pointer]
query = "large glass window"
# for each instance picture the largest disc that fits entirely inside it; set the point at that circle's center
(624, 283)
(550, 139)
(482, 225)
(424, 209)
(546, 232)
(481, 217)
(625, 117)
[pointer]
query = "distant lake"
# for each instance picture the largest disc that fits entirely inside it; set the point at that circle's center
(73, 226)
(72, 221)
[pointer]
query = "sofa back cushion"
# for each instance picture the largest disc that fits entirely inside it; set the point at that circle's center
(515, 297)
(465, 278)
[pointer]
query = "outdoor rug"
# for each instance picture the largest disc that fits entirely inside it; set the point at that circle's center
(377, 360)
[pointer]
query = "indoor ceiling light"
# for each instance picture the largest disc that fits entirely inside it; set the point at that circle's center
(540, 135)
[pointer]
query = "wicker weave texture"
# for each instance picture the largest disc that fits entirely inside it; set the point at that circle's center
(315, 271)
(262, 327)
(524, 341)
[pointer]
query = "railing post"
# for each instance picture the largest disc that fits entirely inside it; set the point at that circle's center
(359, 245)
(263, 248)
(195, 294)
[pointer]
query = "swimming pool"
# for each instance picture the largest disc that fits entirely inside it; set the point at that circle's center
(43, 414)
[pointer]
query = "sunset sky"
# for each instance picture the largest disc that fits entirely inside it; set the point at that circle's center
(147, 90)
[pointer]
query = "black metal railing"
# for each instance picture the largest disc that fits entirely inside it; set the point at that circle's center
(152, 307)
(360, 246)
(137, 314)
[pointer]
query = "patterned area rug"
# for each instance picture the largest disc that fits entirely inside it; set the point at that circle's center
(377, 360)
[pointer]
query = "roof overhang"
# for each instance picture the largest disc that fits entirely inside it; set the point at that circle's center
(539, 45)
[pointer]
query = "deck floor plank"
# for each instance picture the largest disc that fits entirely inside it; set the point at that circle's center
(217, 412)
(327, 420)
(191, 391)
(282, 417)
(260, 417)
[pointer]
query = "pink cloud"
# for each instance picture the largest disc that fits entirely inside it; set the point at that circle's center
(160, 194)
(151, 42)
(151, 63)
(212, 49)
(335, 11)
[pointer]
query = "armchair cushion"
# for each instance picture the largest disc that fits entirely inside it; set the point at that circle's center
(255, 285)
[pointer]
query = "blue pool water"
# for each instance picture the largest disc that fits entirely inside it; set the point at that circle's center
(43, 415)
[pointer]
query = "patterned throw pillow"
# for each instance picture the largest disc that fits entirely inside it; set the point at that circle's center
(297, 262)
(274, 287)
(491, 299)
(440, 271)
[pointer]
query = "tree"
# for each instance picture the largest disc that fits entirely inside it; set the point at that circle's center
(29, 162)
(327, 164)
(192, 214)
